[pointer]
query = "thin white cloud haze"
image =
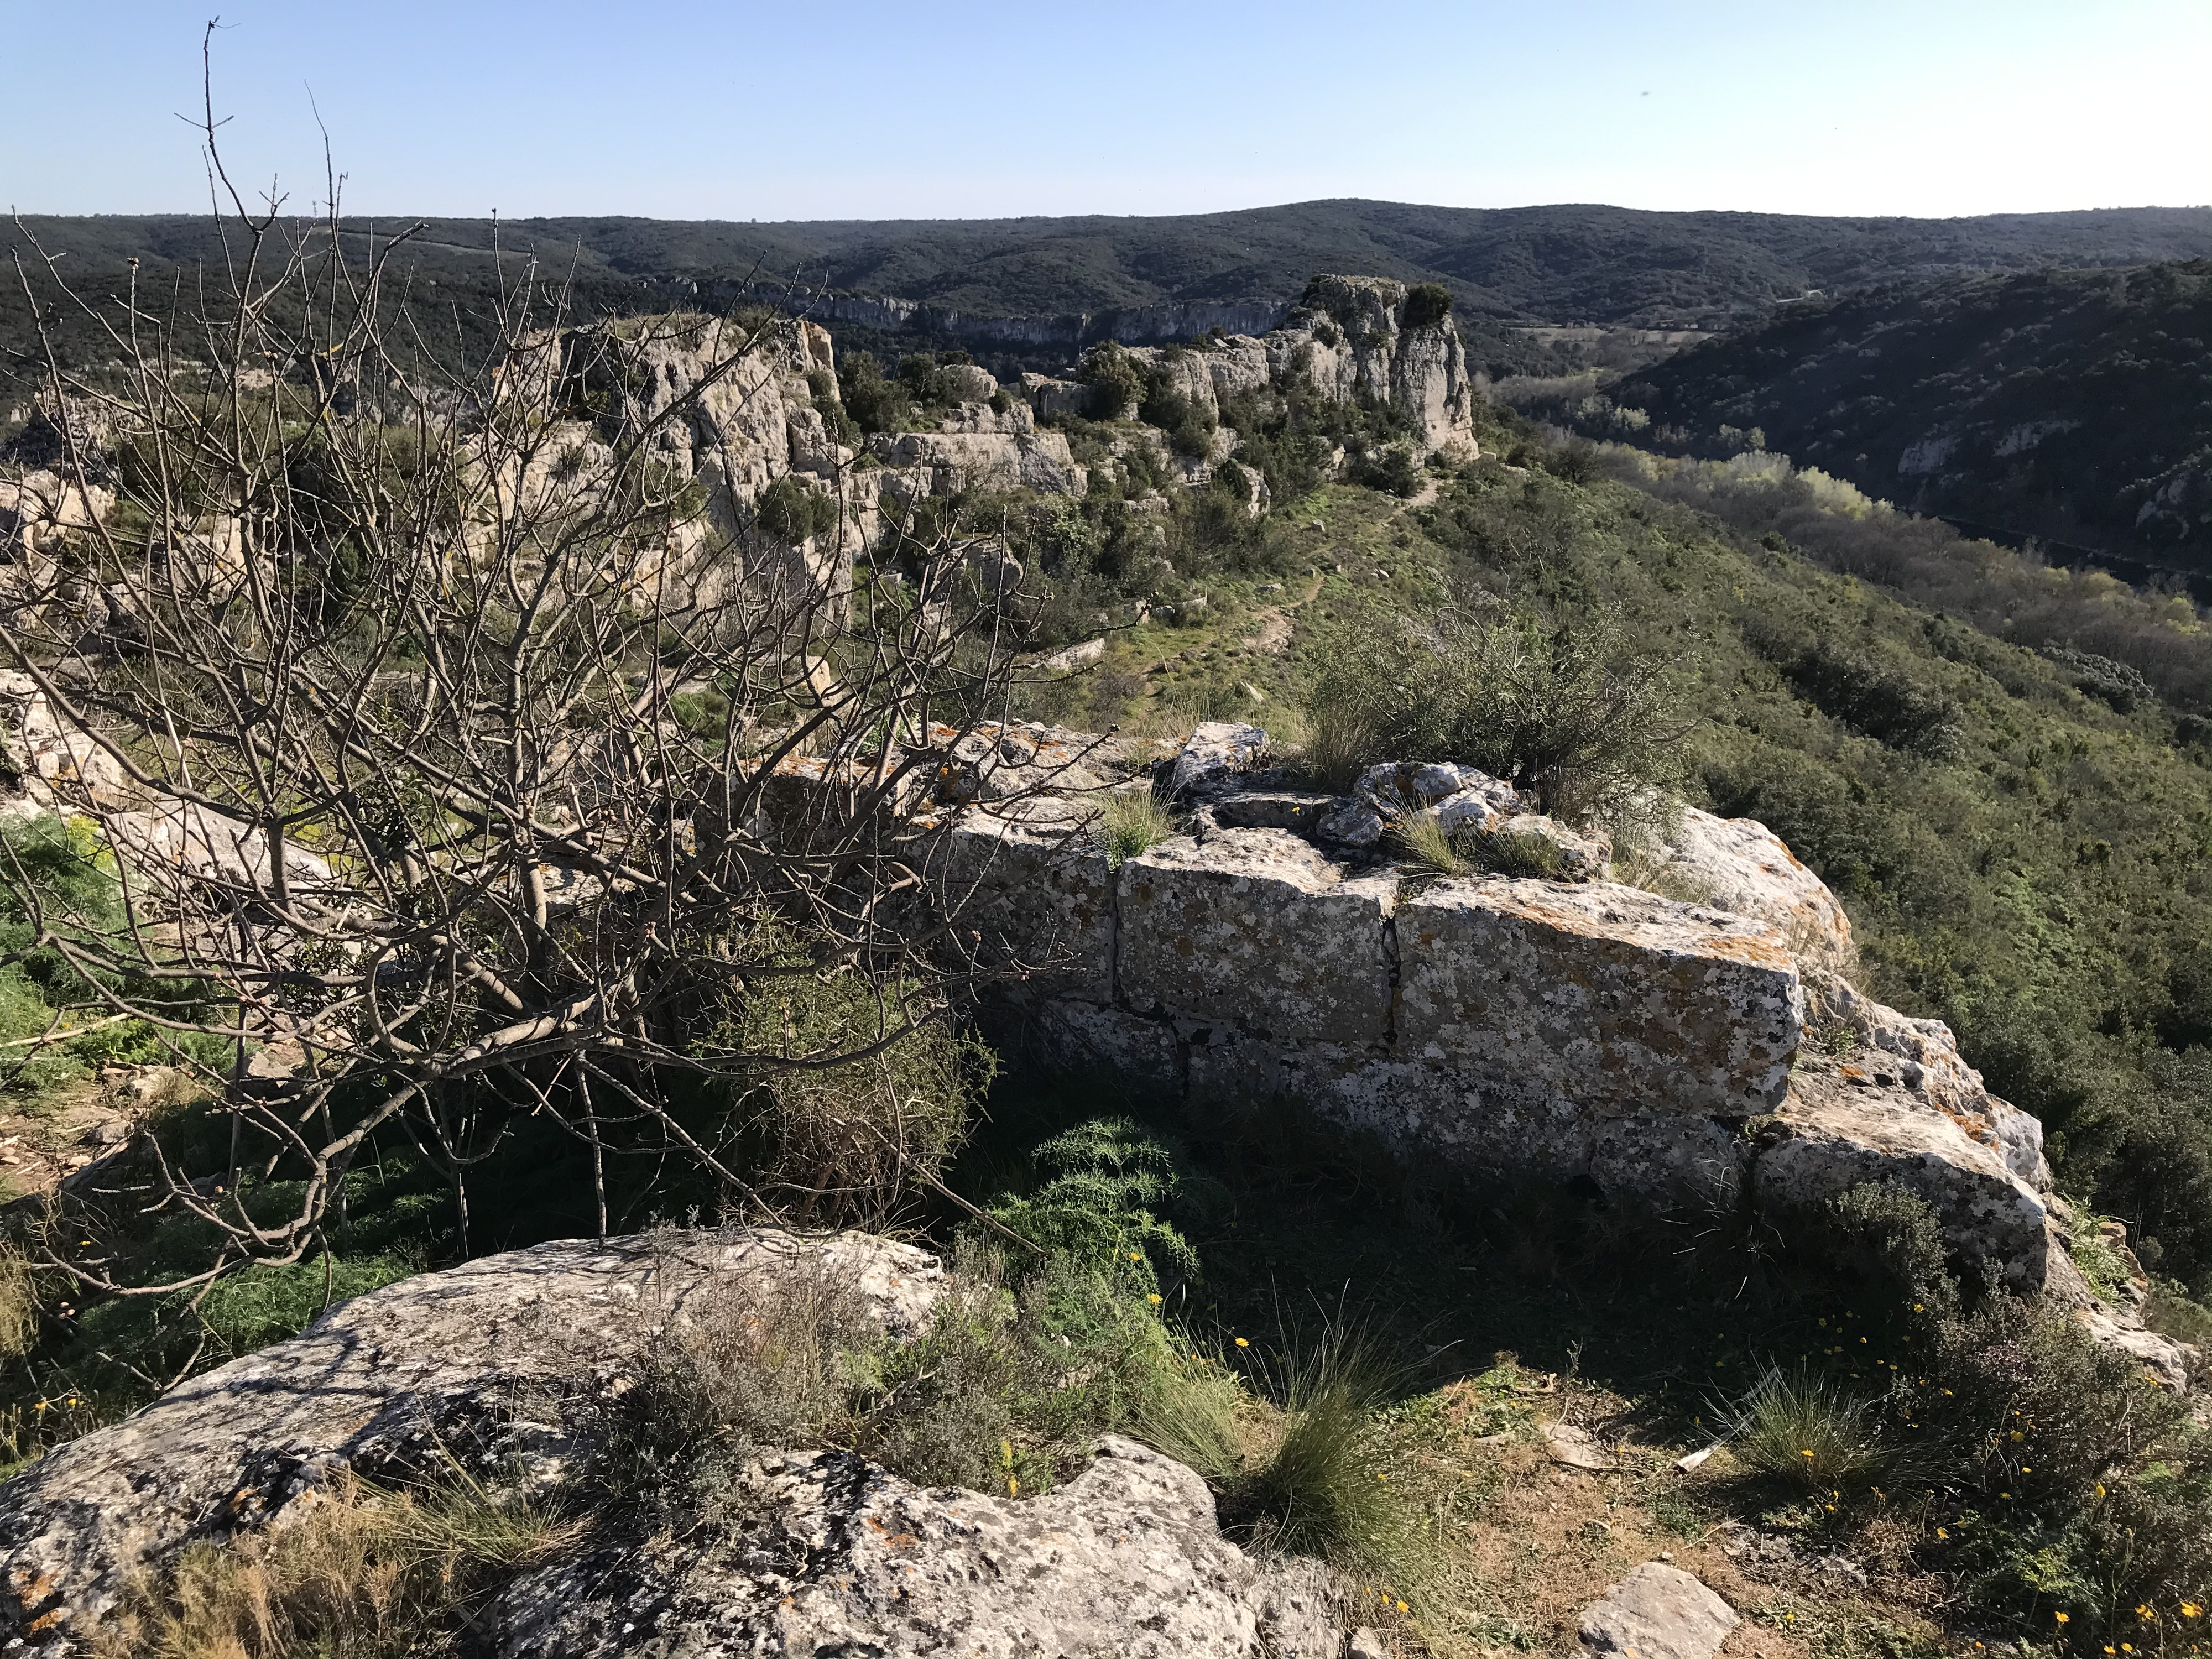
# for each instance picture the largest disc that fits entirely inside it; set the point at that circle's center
(973, 110)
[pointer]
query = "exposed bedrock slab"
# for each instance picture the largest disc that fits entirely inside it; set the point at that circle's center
(1038, 900)
(1604, 993)
(837, 1556)
(1837, 1130)
(381, 1384)
(1260, 930)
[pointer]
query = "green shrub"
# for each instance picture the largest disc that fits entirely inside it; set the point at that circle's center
(1427, 304)
(789, 512)
(1112, 1191)
(848, 1142)
(875, 403)
(1573, 713)
(1116, 387)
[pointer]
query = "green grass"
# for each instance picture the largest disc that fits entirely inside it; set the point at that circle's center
(1134, 821)
(1802, 1428)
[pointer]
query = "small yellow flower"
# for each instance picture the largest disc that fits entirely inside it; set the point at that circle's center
(1136, 1256)
(2189, 1609)
(2064, 1619)
(2127, 1647)
(1918, 1308)
(1943, 1532)
(2004, 1495)
(2101, 1493)
(2015, 1434)
(1152, 1296)
(2143, 1610)
(1806, 1454)
(2109, 1647)
(1242, 1343)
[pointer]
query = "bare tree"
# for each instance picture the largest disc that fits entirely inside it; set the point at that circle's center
(463, 752)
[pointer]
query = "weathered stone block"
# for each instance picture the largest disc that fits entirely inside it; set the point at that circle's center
(1423, 1111)
(1837, 1131)
(1102, 1042)
(1035, 900)
(1604, 995)
(1261, 931)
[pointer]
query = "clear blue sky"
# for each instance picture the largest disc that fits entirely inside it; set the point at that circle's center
(956, 109)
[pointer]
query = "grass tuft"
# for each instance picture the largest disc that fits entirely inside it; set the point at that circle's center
(1800, 1428)
(1134, 821)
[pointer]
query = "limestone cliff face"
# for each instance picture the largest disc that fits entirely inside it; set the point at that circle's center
(1355, 337)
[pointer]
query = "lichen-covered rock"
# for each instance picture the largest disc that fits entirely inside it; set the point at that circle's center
(1033, 900)
(1259, 928)
(1604, 995)
(1923, 1056)
(838, 1556)
(1744, 866)
(1842, 1126)
(382, 1385)
(1215, 753)
(1669, 1161)
(1657, 1611)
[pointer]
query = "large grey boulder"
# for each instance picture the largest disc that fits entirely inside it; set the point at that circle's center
(381, 1385)
(1657, 1611)
(840, 1557)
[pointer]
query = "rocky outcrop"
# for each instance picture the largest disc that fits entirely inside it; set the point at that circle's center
(836, 1554)
(842, 1557)
(923, 464)
(1355, 338)
(378, 1386)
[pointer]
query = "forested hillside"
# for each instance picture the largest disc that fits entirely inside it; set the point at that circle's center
(2074, 405)
(1594, 264)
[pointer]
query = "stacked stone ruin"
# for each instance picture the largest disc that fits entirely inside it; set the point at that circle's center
(1677, 1056)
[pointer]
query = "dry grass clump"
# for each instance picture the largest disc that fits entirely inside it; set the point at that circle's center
(1342, 741)
(362, 1575)
(1425, 842)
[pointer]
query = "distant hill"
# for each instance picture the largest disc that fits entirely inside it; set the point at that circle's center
(1563, 263)
(2071, 404)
